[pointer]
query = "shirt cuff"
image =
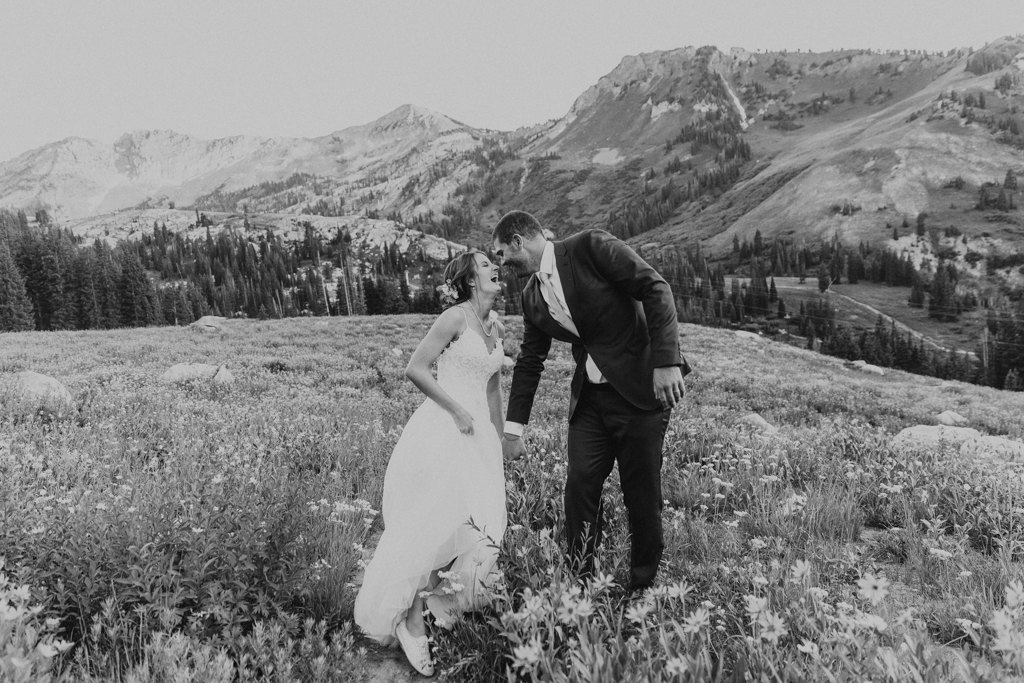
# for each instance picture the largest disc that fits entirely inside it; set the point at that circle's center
(513, 428)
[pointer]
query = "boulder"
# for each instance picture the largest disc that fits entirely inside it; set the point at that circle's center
(951, 419)
(43, 391)
(858, 363)
(755, 421)
(743, 334)
(932, 437)
(187, 372)
(396, 352)
(208, 323)
(223, 378)
(993, 448)
(873, 369)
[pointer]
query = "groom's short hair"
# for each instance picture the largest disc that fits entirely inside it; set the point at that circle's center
(516, 223)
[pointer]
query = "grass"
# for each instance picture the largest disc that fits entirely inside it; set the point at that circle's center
(892, 301)
(188, 532)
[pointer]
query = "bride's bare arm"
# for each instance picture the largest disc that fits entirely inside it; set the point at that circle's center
(497, 412)
(447, 326)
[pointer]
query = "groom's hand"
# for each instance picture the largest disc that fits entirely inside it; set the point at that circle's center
(668, 385)
(512, 447)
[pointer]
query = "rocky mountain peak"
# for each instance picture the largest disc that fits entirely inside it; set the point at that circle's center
(413, 116)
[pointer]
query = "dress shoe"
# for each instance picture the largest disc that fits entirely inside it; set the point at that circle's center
(416, 649)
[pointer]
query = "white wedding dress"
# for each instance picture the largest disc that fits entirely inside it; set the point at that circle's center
(437, 481)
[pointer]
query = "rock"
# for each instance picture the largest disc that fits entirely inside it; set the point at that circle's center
(208, 323)
(873, 369)
(507, 364)
(43, 391)
(396, 352)
(931, 437)
(223, 378)
(951, 419)
(858, 363)
(186, 372)
(755, 421)
(968, 442)
(993, 447)
(742, 334)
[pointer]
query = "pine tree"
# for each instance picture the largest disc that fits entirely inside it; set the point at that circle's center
(87, 305)
(15, 305)
(1003, 200)
(917, 294)
(941, 300)
(134, 287)
(824, 281)
(372, 297)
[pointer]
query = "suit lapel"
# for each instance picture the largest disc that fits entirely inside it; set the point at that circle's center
(564, 265)
(536, 308)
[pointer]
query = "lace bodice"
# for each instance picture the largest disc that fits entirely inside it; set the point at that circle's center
(465, 366)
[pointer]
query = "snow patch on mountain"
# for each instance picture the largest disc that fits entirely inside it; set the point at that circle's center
(662, 108)
(736, 102)
(607, 156)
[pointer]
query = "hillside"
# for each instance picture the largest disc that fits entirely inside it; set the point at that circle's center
(888, 152)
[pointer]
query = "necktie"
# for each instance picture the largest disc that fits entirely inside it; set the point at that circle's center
(560, 312)
(556, 307)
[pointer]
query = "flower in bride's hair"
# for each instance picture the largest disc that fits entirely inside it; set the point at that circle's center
(448, 293)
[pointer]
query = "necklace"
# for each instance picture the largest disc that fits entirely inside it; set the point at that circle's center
(481, 320)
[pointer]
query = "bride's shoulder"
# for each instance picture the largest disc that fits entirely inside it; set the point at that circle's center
(452, 320)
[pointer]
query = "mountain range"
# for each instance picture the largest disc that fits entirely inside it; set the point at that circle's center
(681, 147)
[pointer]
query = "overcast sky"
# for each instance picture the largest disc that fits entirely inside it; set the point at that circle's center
(305, 68)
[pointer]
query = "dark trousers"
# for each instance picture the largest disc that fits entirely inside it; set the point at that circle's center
(605, 429)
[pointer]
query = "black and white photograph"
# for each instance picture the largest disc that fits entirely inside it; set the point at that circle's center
(564, 342)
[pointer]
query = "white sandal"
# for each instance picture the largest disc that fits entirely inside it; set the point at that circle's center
(417, 651)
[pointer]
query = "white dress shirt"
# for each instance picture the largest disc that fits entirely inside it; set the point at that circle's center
(551, 286)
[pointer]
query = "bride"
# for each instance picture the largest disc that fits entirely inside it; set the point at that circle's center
(444, 490)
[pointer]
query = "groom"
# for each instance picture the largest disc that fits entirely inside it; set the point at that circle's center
(596, 293)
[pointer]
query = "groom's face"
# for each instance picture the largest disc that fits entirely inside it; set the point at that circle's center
(512, 255)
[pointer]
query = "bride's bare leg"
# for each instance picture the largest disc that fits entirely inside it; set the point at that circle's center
(414, 618)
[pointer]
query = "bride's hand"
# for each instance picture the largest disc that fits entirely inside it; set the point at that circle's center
(463, 420)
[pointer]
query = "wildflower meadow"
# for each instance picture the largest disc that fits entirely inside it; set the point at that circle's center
(194, 532)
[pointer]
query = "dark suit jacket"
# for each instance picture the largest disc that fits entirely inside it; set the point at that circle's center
(625, 314)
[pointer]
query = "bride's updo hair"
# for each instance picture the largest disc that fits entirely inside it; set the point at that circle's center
(457, 276)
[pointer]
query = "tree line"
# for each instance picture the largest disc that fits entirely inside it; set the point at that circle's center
(50, 280)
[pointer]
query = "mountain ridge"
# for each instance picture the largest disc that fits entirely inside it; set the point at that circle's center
(648, 152)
